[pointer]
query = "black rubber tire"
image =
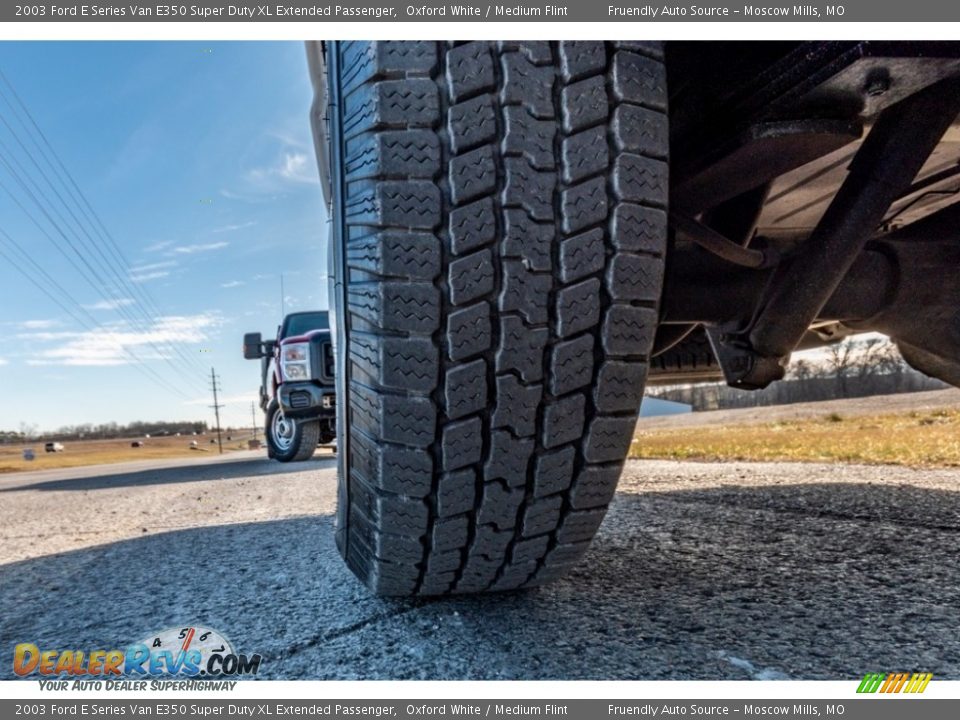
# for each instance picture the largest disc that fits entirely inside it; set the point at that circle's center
(690, 360)
(499, 228)
(306, 435)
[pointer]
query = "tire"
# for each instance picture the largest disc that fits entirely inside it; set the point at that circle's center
(690, 360)
(499, 236)
(297, 442)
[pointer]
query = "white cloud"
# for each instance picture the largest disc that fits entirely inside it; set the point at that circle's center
(149, 276)
(4, 361)
(157, 246)
(38, 324)
(139, 269)
(232, 284)
(234, 228)
(110, 347)
(110, 304)
(202, 247)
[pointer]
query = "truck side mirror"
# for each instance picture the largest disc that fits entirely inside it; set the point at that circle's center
(252, 346)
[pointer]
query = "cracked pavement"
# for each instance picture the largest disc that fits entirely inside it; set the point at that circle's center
(700, 571)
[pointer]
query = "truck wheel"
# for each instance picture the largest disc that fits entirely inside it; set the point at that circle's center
(498, 239)
(288, 439)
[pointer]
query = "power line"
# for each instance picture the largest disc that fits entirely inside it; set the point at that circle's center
(16, 264)
(113, 258)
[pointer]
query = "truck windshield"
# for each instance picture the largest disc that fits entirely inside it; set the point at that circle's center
(302, 323)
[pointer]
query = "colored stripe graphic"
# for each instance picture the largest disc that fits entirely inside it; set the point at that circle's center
(894, 683)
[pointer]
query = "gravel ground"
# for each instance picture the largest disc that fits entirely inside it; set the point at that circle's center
(700, 571)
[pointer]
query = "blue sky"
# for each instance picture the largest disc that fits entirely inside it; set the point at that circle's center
(197, 159)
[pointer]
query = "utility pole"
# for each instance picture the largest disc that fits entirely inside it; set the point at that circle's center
(216, 408)
(253, 418)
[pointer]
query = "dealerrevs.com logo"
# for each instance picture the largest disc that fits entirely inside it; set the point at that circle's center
(188, 652)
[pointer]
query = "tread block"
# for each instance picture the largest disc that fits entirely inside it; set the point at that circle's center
(640, 130)
(471, 277)
(584, 103)
(444, 562)
(608, 439)
(521, 349)
(529, 189)
(450, 533)
(469, 70)
(490, 541)
(635, 277)
(531, 138)
(595, 486)
(466, 389)
(578, 307)
(580, 525)
(472, 226)
(364, 61)
(563, 420)
(628, 330)
(516, 406)
(468, 331)
(640, 179)
(527, 84)
(536, 51)
(392, 514)
(513, 576)
(412, 102)
(414, 153)
(472, 174)
(541, 516)
(571, 365)
(462, 443)
(554, 471)
(639, 229)
(399, 306)
(393, 418)
(471, 123)
(383, 577)
(414, 204)
(619, 386)
(391, 468)
(525, 292)
(529, 549)
(579, 58)
(585, 154)
(639, 79)
(528, 240)
(582, 255)
(584, 205)
(456, 492)
(478, 573)
(395, 362)
(500, 506)
(509, 459)
(650, 48)
(392, 253)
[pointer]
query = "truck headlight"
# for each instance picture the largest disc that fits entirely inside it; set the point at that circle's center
(295, 371)
(296, 352)
(295, 361)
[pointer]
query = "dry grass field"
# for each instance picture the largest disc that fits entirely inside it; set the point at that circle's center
(94, 452)
(918, 438)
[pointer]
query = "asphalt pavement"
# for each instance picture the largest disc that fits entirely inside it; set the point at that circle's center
(700, 571)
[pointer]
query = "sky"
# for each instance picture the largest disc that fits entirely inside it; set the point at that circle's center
(188, 185)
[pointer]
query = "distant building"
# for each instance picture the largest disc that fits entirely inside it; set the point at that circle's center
(655, 406)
